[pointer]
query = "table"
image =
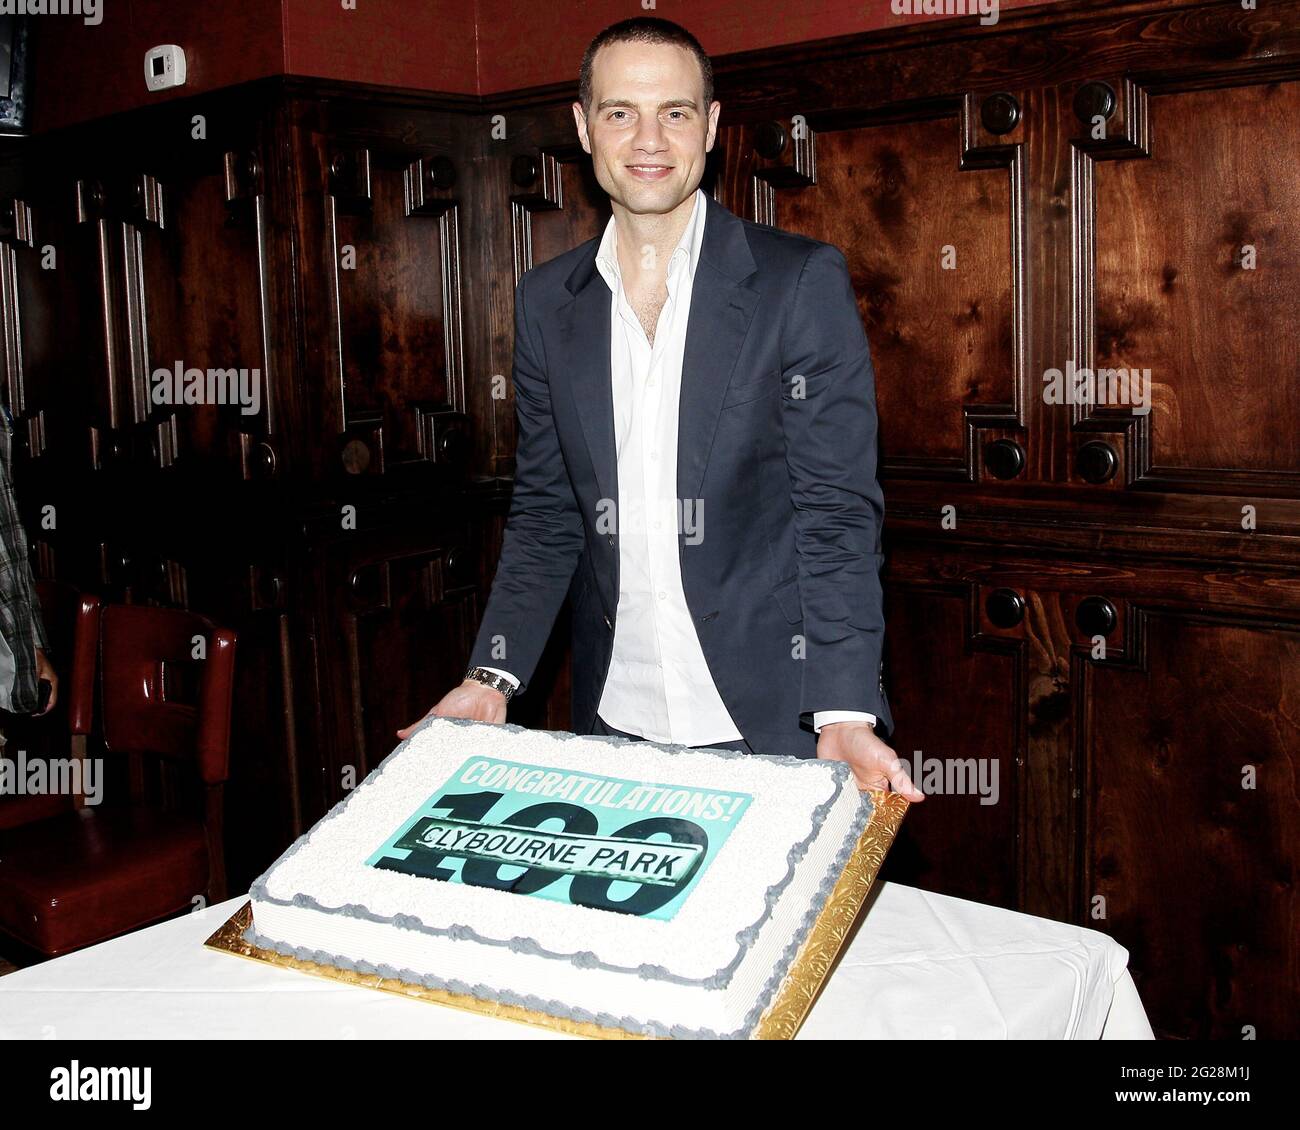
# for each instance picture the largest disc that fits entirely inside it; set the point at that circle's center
(919, 966)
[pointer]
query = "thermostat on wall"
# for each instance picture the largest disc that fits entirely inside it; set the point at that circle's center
(164, 67)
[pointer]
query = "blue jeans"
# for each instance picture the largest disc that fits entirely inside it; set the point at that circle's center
(601, 728)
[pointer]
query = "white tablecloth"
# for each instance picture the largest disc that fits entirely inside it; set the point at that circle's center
(920, 966)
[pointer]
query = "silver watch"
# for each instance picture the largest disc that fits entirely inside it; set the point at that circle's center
(493, 680)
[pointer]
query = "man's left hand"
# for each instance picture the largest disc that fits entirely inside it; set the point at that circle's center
(874, 764)
(45, 670)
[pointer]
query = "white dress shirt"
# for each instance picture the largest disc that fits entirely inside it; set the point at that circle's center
(658, 685)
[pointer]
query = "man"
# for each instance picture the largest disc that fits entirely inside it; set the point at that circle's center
(696, 455)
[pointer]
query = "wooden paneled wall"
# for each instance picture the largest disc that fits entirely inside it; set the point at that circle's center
(1100, 604)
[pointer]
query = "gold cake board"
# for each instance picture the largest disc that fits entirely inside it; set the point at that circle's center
(781, 1021)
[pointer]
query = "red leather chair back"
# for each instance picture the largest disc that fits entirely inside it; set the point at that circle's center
(156, 696)
(79, 687)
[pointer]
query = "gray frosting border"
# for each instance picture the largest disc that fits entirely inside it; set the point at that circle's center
(584, 958)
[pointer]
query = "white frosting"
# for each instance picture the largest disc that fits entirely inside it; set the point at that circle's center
(701, 942)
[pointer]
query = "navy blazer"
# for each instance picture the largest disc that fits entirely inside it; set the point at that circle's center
(776, 442)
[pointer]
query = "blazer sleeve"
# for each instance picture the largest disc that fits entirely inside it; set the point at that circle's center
(829, 419)
(543, 537)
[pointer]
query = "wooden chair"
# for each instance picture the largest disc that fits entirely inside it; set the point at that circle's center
(78, 878)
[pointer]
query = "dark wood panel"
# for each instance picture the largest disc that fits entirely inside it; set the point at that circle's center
(966, 737)
(1190, 754)
(67, 325)
(1138, 694)
(399, 605)
(375, 203)
(187, 322)
(1198, 255)
(933, 250)
(394, 353)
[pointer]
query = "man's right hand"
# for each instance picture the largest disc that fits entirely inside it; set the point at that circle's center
(469, 700)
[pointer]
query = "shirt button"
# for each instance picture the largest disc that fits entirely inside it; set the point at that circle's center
(663, 595)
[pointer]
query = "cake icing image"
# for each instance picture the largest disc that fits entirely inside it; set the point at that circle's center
(655, 861)
(635, 887)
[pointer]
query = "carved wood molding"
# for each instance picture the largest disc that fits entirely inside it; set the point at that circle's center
(785, 157)
(537, 184)
(246, 202)
(992, 137)
(1117, 108)
(15, 235)
(428, 183)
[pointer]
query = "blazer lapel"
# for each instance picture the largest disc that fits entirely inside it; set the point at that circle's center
(722, 308)
(585, 344)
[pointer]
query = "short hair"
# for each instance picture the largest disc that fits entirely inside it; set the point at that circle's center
(644, 29)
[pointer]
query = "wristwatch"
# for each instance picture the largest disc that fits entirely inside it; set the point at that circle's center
(491, 679)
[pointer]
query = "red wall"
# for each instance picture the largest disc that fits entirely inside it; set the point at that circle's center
(522, 44)
(409, 43)
(456, 46)
(82, 71)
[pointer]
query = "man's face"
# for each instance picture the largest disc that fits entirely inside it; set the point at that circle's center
(648, 132)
